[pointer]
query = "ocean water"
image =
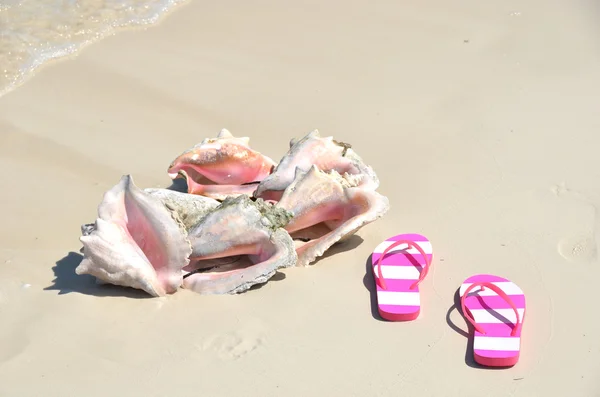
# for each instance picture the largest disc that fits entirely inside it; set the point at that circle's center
(33, 32)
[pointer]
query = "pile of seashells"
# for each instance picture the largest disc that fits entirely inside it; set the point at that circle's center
(243, 216)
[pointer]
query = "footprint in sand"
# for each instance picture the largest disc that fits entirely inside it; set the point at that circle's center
(581, 248)
(234, 345)
(578, 249)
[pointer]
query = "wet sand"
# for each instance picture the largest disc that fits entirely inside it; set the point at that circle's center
(479, 119)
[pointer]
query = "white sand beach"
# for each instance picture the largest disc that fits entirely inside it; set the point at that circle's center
(478, 117)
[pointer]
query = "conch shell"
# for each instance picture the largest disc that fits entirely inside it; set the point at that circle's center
(327, 154)
(225, 235)
(135, 242)
(189, 208)
(239, 244)
(327, 208)
(222, 166)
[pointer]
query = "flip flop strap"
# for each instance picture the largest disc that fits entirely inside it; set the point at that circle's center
(395, 244)
(500, 293)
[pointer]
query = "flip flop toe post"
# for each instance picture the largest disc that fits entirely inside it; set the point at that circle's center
(495, 307)
(400, 263)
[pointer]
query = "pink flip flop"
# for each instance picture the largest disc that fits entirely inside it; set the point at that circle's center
(398, 273)
(495, 307)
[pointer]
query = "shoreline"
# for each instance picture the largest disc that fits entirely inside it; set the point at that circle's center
(82, 46)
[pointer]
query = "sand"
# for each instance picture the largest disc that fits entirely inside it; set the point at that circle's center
(478, 117)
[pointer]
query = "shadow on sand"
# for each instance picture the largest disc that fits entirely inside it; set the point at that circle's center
(278, 276)
(369, 283)
(67, 281)
(351, 243)
(469, 357)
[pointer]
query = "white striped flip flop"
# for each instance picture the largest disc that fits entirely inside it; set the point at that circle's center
(495, 307)
(400, 263)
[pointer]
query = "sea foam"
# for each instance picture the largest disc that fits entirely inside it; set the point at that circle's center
(33, 32)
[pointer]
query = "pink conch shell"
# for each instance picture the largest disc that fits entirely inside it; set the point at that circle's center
(222, 166)
(135, 242)
(326, 153)
(239, 244)
(327, 208)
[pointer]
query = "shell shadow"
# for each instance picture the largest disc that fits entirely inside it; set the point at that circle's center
(369, 283)
(178, 185)
(67, 281)
(278, 276)
(349, 244)
(469, 357)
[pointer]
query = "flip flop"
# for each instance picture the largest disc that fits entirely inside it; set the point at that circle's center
(495, 307)
(398, 273)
